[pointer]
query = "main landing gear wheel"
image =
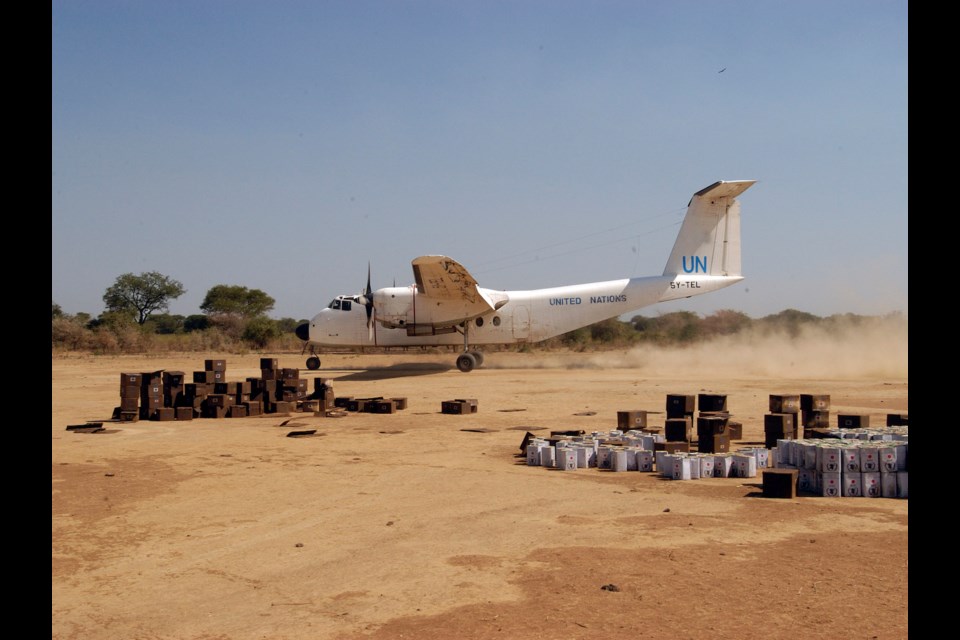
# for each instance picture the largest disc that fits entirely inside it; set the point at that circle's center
(477, 356)
(313, 363)
(466, 362)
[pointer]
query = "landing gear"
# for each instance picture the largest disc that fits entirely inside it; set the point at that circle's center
(313, 363)
(468, 360)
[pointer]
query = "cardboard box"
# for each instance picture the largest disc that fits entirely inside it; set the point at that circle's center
(810, 402)
(706, 466)
(723, 466)
(174, 378)
(131, 380)
(645, 460)
(236, 411)
(129, 416)
(808, 479)
(676, 447)
(254, 407)
(780, 483)
(217, 400)
(215, 365)
(888, 485)
(400, 402)
(152, 378)
(897, 419)
(212, 411)
(342, 401)
(830, 485)
(269, 374)
(635, 419)
(734, 430)
(289, 373)
(205, 377)
(130, 404)
(269, 363)
(184, 413)
(712, 402)
(715, 443)
(381, 406)
(853, 420)
(471, 402)
(852, 485)
(677, 429)
(784, 404)
(745, 465)
(679, 405)
(815, 419)
(454, 407)
(681, 468)
(711, 425)
(871, 485)
(164, 414)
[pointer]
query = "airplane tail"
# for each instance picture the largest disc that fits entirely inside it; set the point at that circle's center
(709, 239)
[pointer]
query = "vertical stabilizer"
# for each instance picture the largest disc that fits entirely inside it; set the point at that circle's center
(709, 239)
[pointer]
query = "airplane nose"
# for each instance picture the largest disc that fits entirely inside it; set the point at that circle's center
(303, 331)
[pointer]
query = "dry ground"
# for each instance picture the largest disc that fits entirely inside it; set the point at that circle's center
(420, 524)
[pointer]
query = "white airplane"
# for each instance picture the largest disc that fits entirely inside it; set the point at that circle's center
(446, 306)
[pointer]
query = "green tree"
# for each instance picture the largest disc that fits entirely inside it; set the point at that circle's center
(196, 322)
(165, 323)
(289, 325)
(260, 331)
(57, 311)
(139, 296)
(234, 300)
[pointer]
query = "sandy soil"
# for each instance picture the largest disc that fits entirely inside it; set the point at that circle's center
(420, 524)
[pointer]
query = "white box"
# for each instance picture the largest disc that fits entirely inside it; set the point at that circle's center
(745, 465)
(871, 484)
(722, 466)
(533, 454)
(902, 456)
(645, 460)
(632, 458)
(566, 459)
(647, 441)
(888, 484)
(830, 484)
(869, 460)
(809, 455)
(694, 467)
(852, 484)
(902, 484)
(547, 456)
(618, 461)
(829, 459)
(851, 459)
(604, 454)
(681, 468)
(807, 480)
(665, 463)
(888, 459)
(706, 466)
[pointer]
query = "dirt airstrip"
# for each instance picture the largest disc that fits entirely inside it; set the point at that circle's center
(420, 524)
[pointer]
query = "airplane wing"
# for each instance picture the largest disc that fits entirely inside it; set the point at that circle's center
(451, 285)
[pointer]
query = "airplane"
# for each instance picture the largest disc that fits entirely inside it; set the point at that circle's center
(446, 306)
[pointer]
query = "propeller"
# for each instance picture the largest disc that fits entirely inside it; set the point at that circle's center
(367, 298)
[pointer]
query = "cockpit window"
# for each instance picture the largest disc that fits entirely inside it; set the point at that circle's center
(345, 305)
(335, 304)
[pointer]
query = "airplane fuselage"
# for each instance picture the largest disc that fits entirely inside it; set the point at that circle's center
(406, 318)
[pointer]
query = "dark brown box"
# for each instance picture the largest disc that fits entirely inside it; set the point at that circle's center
(784, 404)
(129, 392)
(130, 404)
(269, 374)
(342, 401)
(470, 402)
(269, 363)
(131, 380)
(359, 404)
(149, 406)
(163, 414)
(634, 419)
(309, 406)
(454, 407)
(215, 365)
(780, 423)
(400, 402)
(853, 420)
(381, 406)
(281, 407)
(254, 407)
(714, 443)
(212, 411)
(174, 378)
(897, 419)
(151, 391)
(197, 389)
(675, 447)
(677, 429)
(711, 424)
(735, 430)
(322, 384)
(152, 378)
(289, 374)
(129, 416)
(814, 419)
(295, 384)
(217, 400)
(236, 411)
(679, 406)
(712, 402)
(184, 413)
(810, 402)
(205, 377)
(288, 395)
(780, 483)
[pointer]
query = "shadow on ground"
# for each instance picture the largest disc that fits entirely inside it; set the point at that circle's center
(400, 370)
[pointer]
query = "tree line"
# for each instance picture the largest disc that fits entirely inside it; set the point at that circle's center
(234, 319)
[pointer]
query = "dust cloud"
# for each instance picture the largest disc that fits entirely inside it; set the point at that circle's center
(838, 351)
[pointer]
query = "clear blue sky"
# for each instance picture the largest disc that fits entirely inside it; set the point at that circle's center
(284, 145)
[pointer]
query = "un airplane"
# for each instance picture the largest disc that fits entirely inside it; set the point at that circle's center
(446, 306)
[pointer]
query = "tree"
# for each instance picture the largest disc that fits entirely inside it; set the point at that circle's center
(141, 295)
(260, 331)
(234, 300)
(196, 322)
(57, 311)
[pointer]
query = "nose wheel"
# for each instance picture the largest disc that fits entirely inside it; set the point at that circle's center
(313, 363)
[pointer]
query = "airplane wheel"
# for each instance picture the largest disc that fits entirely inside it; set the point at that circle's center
(466, 362)
(313, 363)
(478, 357)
